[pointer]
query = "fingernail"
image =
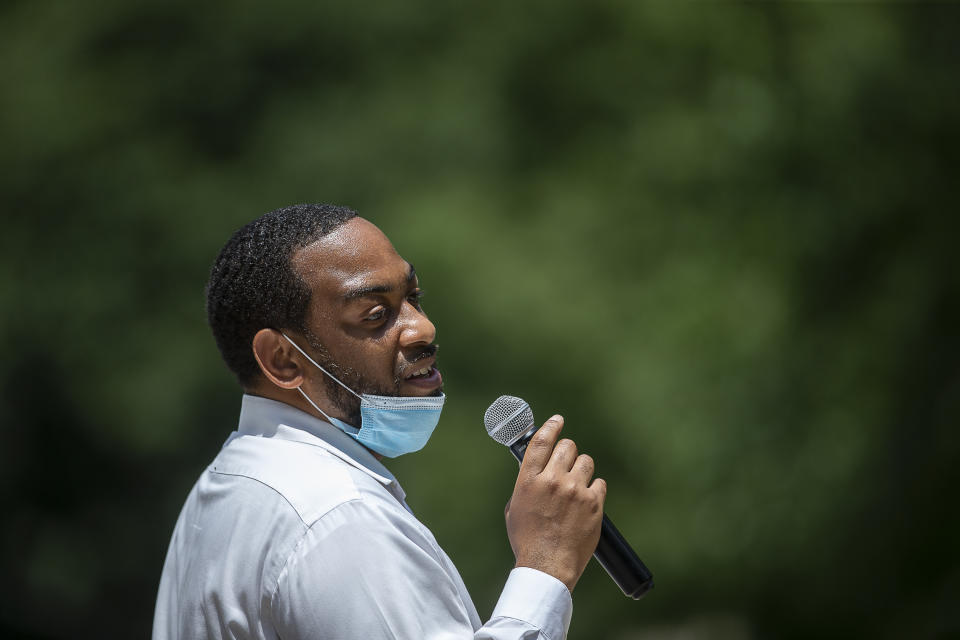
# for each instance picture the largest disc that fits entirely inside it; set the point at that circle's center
(555, 418)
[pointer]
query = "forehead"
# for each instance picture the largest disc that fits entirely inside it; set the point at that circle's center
(354, 255)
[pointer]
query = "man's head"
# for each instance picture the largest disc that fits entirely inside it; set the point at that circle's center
(333, 283)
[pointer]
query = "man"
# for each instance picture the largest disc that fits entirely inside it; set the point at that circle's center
(297, 529)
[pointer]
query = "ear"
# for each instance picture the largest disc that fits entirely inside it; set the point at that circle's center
(277, 358)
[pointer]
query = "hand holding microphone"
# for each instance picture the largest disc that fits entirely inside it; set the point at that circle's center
(555, 518)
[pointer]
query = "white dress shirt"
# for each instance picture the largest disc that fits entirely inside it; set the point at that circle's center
(297, 531)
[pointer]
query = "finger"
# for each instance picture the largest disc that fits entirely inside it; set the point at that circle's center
(583, 467)
(563, 457)
(599, 485)
(541, 446)
(506, 509)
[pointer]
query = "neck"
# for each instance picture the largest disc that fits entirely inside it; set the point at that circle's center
(291, 397)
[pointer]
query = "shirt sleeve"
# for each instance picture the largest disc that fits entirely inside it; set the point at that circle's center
(359, 573)
(532, 602)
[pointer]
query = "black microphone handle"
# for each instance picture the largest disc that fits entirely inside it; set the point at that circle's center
(617, 557)
(613, 552)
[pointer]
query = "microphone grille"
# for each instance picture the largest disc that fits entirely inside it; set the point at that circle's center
(507, 419)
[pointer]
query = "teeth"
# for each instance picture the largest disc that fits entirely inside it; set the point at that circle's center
(422, 372)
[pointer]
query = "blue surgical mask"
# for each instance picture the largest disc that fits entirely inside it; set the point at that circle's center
(389, 425)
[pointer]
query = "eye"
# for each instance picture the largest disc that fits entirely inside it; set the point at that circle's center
(415, 297)
(377, 315)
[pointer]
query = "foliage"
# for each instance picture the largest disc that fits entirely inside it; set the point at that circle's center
(715, 236)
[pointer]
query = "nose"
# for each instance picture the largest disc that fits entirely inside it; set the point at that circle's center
(416, 327)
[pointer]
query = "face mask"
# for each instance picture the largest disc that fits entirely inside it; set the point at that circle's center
(389, 425)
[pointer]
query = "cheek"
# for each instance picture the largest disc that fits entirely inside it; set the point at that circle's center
(374, 359)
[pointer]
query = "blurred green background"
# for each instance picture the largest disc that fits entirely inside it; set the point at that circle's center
(720, 238)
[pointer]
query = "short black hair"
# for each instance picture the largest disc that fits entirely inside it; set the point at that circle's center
(253, 285)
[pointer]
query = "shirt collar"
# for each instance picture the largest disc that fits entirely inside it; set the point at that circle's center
(272, 419)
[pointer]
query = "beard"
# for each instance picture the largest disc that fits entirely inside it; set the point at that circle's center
(345, 402)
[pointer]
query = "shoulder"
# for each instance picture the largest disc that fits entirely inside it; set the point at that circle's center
(308, 478)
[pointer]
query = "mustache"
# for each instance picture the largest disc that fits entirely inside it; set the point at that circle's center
(426, 352)
(406, 363)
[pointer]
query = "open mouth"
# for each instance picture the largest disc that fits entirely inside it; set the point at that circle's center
(425, 376)
(421, 373)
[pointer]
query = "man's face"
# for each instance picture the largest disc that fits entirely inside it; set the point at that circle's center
(365, 324)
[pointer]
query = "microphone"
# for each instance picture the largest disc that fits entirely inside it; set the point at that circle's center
(509, 421)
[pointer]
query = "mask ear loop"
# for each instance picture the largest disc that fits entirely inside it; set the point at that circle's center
(314, 363)
(314, 405)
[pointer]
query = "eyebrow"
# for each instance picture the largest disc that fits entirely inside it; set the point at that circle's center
(363, 292)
